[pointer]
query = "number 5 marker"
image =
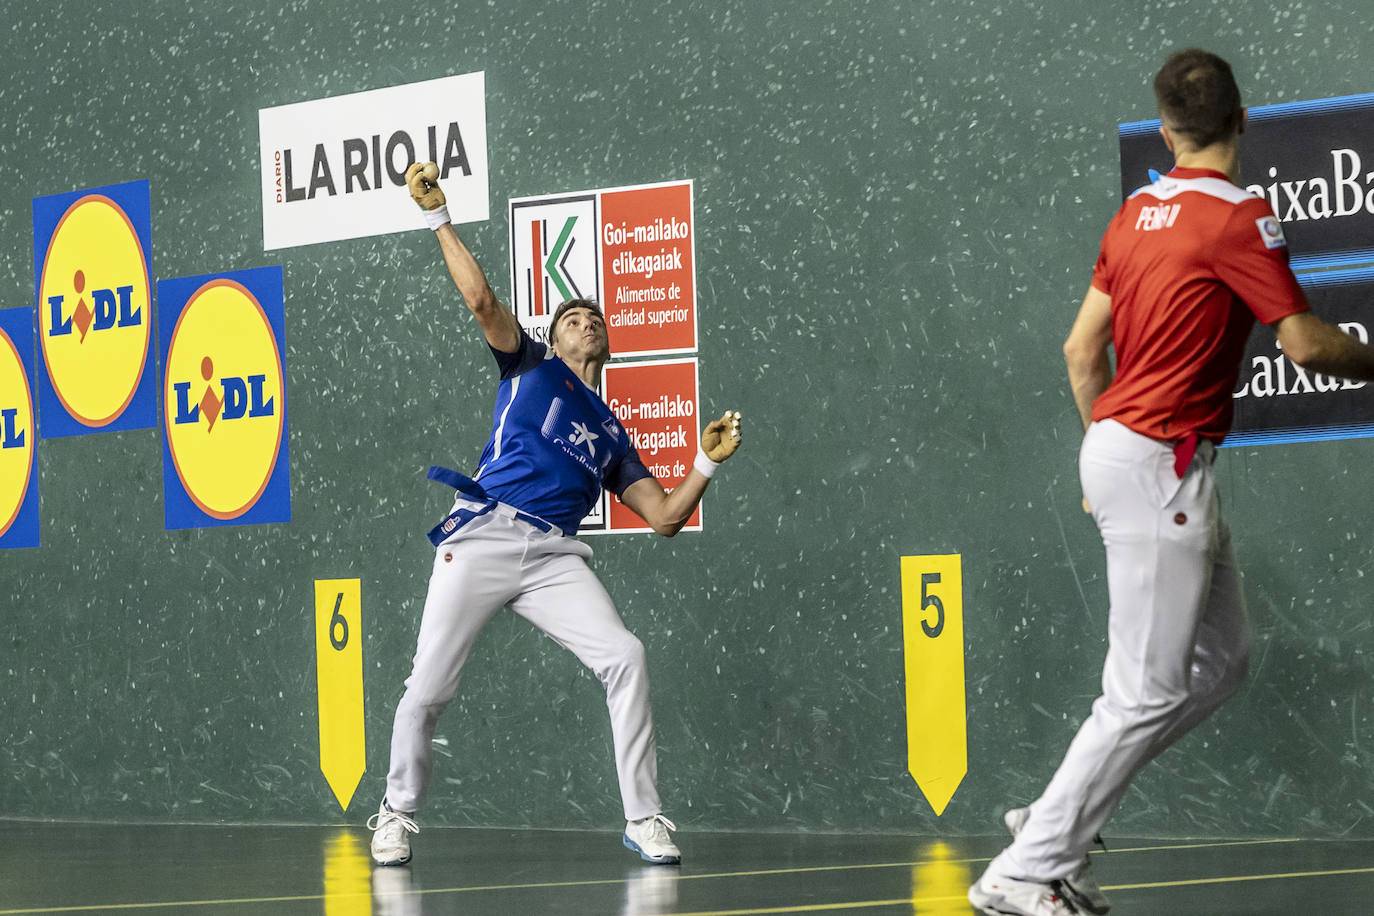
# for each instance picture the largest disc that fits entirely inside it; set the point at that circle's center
(933, 641)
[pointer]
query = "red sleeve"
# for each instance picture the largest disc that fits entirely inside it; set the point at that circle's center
(1251, 258)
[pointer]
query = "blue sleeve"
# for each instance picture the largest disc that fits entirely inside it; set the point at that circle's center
(529, 354)
(626, 471)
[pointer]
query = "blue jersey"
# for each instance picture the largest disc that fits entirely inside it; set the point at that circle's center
(554, 443)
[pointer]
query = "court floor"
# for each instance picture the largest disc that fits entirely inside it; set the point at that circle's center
(214, 870)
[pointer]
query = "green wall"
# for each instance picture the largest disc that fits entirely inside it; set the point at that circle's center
(898, 204)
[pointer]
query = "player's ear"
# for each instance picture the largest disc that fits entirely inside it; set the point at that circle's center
(1167, 134)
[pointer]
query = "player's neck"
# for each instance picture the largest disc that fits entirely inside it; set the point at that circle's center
(588, 369)
(1221, 157)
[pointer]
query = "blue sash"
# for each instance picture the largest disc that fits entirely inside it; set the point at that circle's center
(460, 517)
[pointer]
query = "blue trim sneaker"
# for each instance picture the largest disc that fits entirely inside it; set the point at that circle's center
(649, 837)
(1000, 895)
(1080, 886)
(391, 835)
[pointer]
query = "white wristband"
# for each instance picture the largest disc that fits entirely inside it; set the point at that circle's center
(703, 465)
(438, 217)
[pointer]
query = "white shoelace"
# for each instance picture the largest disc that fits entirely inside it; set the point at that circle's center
(658, 825)
(384, 819)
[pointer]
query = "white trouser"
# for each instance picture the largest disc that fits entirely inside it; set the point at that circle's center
(496, 560)
(1178, 642)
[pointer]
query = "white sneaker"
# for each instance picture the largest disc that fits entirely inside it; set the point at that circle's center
(1003, 896)
(649, 837)
(391, 835)
(1080, 886)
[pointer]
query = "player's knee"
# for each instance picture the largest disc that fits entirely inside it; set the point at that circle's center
(624, 656)
(631, 651)
(428, 701)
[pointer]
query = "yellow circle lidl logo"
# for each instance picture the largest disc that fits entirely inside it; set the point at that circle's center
(223, 393)
(16, 433)
(93, 310)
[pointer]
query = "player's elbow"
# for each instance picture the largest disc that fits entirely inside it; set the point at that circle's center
(1304, 353)
(1302, 346)
(1081, 356)
(481, 301)
(667, 529)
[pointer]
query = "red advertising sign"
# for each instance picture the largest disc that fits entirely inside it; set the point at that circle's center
(649, 291)
(656, 402)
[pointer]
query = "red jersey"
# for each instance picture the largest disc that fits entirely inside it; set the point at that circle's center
(1190, 262)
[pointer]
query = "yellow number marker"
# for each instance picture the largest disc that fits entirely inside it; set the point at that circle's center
(339, 662)
(933, 639)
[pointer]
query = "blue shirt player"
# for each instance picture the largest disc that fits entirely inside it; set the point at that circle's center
(506, 543)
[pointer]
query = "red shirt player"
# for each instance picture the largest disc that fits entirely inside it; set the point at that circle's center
(1185, 268)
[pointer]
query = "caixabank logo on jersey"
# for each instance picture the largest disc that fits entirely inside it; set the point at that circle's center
(18, 483)
(553, 257)
(225, 458)
(94, 307)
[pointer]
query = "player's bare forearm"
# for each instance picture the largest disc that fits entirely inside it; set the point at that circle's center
(1088, 380)
(1320, 347)
(666, 512)
(498, 322)
(1085, 352)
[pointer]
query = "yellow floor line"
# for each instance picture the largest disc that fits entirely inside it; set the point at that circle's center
(1190, 882)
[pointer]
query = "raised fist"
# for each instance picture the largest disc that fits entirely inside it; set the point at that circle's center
(422, 180)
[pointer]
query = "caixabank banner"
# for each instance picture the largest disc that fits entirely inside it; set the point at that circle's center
(631, 249)
(1276, 400)
(94, 307)
(18, 434)
(1314, 162)
(225, 449)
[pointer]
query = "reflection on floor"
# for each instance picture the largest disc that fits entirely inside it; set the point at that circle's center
(214, 870)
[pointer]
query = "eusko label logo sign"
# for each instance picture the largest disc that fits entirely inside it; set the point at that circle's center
(554, 257)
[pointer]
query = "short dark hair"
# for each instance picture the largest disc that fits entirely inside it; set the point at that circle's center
(568, 306)
(1198, 97)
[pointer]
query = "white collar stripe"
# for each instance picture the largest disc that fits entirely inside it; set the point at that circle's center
(1168, 188)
